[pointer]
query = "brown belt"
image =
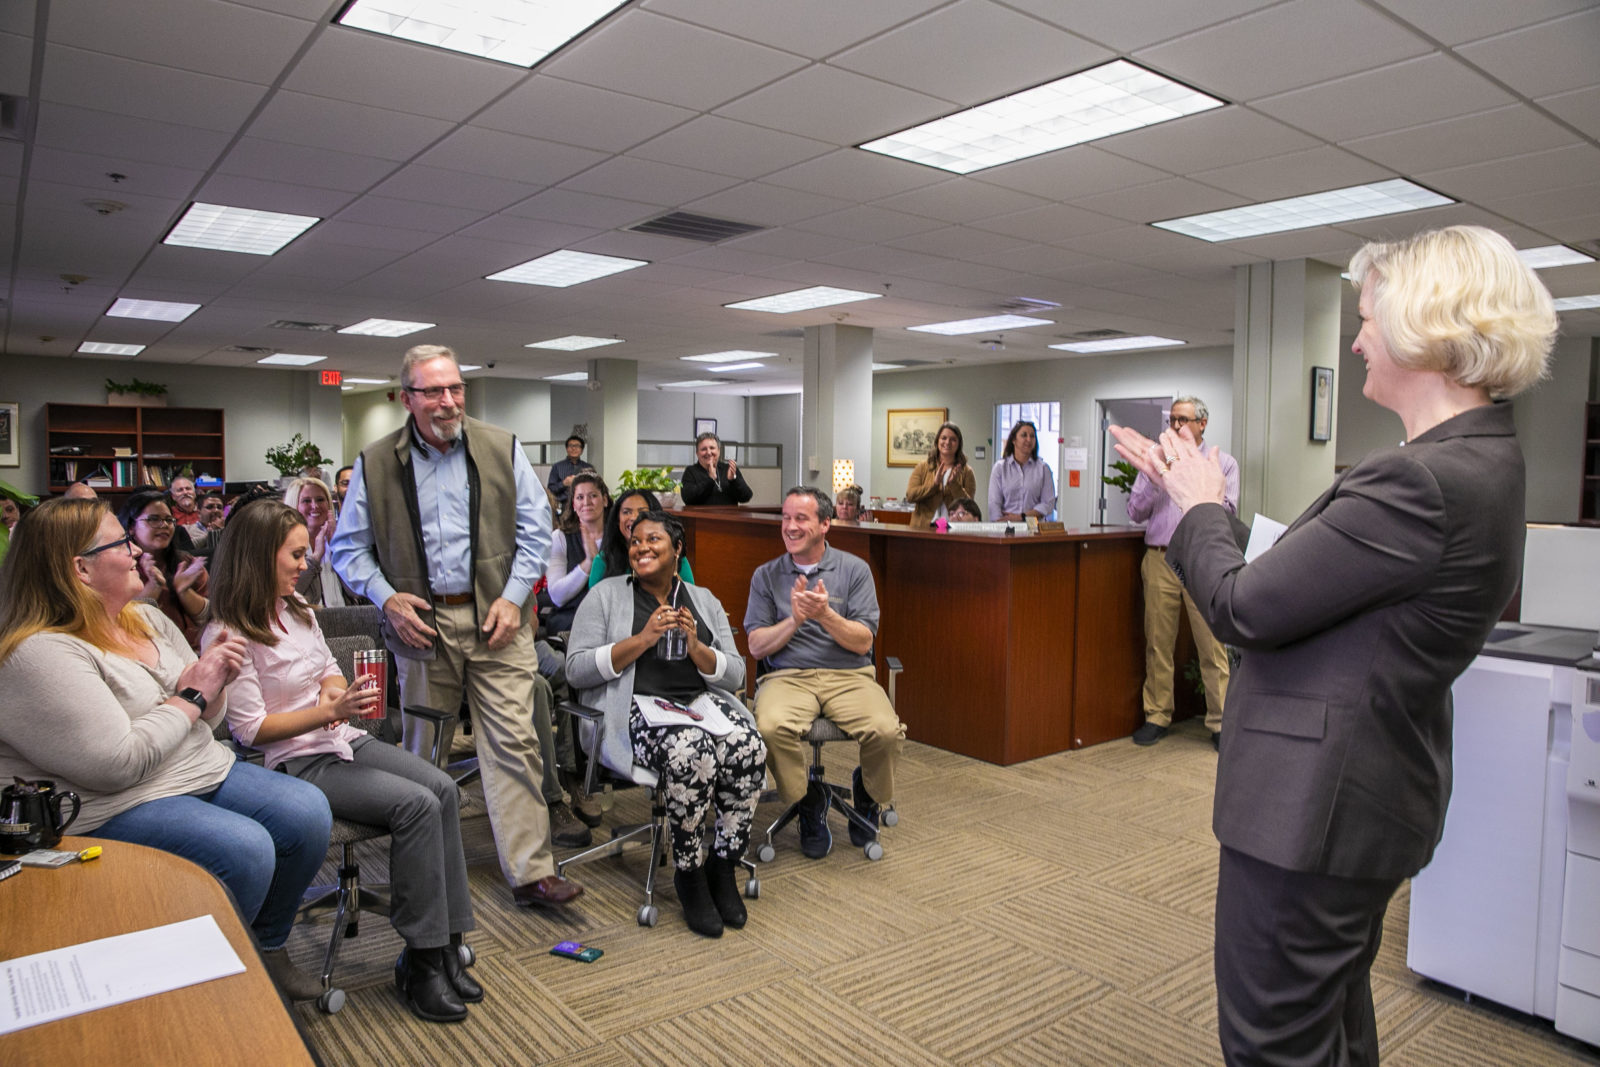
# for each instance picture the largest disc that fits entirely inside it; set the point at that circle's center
(1153, 548)
(452, 599)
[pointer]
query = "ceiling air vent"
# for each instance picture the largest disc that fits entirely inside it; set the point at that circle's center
(913, 362)
(1023, 305)
(796, 332)
(695, 227)
(13, 117)
(314, 327)
(249, 350)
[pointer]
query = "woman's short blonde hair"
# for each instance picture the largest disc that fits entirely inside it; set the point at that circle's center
(291, 495)
(1459, 301)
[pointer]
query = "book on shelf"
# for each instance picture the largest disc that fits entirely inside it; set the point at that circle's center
(122, 450)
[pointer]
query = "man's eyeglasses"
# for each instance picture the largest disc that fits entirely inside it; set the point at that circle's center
(435, 393)
(1178, 422)
(118, 543)
(158, 521)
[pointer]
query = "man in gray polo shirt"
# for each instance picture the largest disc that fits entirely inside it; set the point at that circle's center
(812, 617)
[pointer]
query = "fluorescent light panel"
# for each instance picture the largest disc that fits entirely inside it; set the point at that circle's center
(366, 381)
(1119, 344)
(733, 356)
(689, 384)
(1298, 212)
(817, 296)
(101, 348)
(1578, 303)
(992, 322)
(1113, 98)
(465, 367)
(287, 359)
(237, 229)
(886, 366)
(1552, 256)
(741, 366)
(571, 376)
(160, 310)
(520, 32)
(387, 327)
(564, 268)
(575, 342)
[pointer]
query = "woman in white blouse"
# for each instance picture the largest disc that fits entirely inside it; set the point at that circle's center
(574, 547)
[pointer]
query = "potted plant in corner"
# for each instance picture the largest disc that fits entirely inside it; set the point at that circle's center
(298, 458)
(656, 479)
(136, 394)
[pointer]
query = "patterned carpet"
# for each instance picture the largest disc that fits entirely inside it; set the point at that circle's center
(1055, 912)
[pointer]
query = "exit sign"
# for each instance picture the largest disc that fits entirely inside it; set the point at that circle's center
(332, 377)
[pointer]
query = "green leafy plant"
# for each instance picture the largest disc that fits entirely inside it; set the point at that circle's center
(136, 387)
(655, 479)
(1124, 477)
(295, 456)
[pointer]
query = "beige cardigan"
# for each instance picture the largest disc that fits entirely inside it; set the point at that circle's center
(927, 494)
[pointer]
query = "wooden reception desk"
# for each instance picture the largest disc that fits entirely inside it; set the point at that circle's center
(1014, 647)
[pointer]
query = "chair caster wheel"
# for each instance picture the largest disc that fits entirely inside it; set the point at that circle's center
(468, 957)
(872, 850)
(766, 853)
(890, 817)
(331, 1001)
(752, 888)
(648, 915)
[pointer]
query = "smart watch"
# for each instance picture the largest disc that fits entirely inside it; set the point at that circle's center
(193, 696)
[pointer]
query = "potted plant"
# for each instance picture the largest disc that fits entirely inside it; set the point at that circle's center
(297, 458)
(656, 479)
(136, 394)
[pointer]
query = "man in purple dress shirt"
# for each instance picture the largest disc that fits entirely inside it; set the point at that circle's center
(1164, 595)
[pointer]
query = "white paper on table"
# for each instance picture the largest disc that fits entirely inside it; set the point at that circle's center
(113, 970)
(1264, 533)
(712, 720)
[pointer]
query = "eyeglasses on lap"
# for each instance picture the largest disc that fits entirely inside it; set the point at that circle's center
(121, 542)
(435, 393)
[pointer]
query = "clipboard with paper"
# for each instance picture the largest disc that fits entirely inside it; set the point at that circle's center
(702, 712)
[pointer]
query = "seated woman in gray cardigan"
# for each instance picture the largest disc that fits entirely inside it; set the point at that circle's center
(612, 658)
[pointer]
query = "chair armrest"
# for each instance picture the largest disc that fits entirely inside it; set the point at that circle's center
(431, 714)
(895, 667)
(246, 753)
(598, 719)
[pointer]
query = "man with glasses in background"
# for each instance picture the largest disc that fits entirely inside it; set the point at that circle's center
(1164, 595)
(446, 527)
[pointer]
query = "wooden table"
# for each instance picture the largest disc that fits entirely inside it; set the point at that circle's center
(239, 1019)
(1014, 647)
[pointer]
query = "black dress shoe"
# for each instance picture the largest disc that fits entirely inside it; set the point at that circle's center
(419, 976)
(724, 885)
(816, 840)
(1149, 734)
(1216, 740)
(695, 896)
(466, 987)
(865, 807)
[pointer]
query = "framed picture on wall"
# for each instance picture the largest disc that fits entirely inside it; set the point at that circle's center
(10, 436)
(912, 432)
(1321, 403)
(704, 426)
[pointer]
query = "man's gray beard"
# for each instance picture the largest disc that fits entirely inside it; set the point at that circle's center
(446, 431)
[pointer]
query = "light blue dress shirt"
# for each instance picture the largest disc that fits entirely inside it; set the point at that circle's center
(442, 507)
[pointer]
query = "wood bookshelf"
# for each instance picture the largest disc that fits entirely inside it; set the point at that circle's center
(158, 442)
(1589, 496)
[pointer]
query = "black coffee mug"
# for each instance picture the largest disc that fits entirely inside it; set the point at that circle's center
(30, 816)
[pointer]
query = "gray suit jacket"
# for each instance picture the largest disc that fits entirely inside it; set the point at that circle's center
(1336, 754)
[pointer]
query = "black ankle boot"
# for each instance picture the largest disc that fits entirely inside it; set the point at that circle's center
(463, 983)
(725, 894)
(424, 987)
(695, 896)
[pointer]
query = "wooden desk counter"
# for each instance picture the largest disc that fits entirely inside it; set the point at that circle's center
(239, 1019)
(1014, 647)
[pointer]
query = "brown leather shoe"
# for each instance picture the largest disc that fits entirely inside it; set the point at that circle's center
(547, 892)
(565, 830)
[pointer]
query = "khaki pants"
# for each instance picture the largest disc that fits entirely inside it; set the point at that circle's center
(786, 703)
(1164, 597)
(500, 691)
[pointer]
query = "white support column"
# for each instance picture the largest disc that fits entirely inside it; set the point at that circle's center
(1286, 321)
(836, 403)
(613, 417)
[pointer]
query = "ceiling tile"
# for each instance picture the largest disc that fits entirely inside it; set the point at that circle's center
(960, 200)
(409, 215)
(1209, 139)
(16, 64)
(534, 233)
(1295, 174)
(1072, 172)
(554, 109)
(1125, 243)
(853, 174)
(816, 29)
(361, 235)
(434, 185)
(724, 146)
(1001, 52)
(318, 167)
(295, 118)
(957, 242)
(385, 72)
(1126, 27)
(76, 168)
(1506, 131)
(835, 105)
(671, 186)
(1468, 20)
(1036, 259)
(1393, 227)
(233, 190)
(1581, 108)
(670, 61)
(506, 155)
(305, 9)
(130, 139)
(193, 35)
(1559, 168)
(142, 90)
(731, 260)
(792, 244)
(1389, 98)
(1050, 224)
(1310, 41)
(867, 223)
(1158, 200)
(1320, 242)
(767, 205)
(1553, 209)
(582, 209)
(1551, 57)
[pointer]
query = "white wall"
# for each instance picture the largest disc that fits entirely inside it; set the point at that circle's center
(971, 394)
(776, 420)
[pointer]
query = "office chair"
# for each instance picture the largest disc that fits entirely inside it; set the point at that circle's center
(653, 832)
(840, 797)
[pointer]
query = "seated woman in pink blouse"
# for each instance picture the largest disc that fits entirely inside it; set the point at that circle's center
(291, 701)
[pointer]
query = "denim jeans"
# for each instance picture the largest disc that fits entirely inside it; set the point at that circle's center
(262, 834)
